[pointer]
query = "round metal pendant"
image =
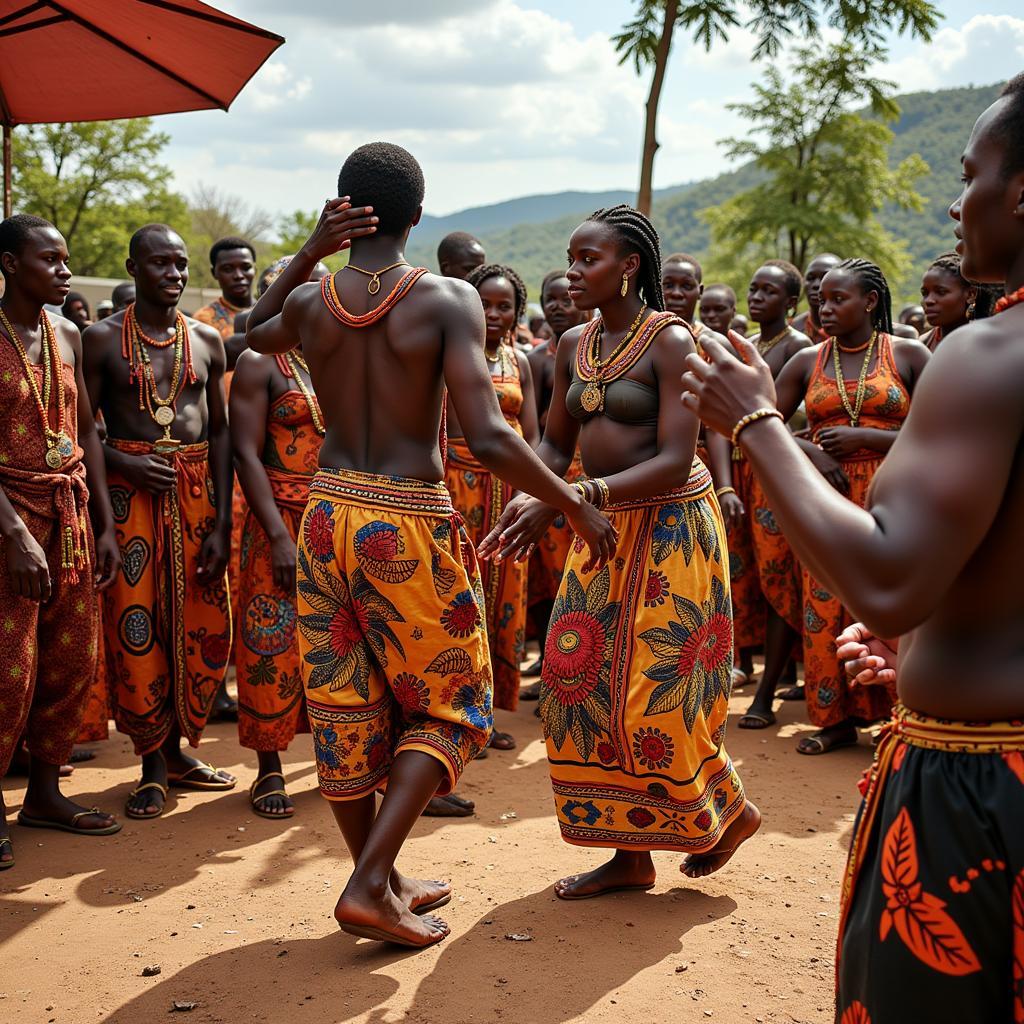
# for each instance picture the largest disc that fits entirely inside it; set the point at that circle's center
(374, 286)
(591, 397)
(164, 415)
(65, 446)
(53, 459)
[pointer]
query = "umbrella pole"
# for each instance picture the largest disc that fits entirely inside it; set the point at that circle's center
(7, 170)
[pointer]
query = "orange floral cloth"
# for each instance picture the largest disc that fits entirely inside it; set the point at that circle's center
(636, 679)
(97, 712)
(547, 563)
(932, 920)
(778, 570)
(168, 635)
(391, 635)
(748, 602)
(271, 702)
(49, 650)
(830, 697)
(480, 498)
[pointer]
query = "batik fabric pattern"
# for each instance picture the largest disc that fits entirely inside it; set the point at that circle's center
(830, 696)
(547, 563)
(480, 498)
(47, 651)
(748, 602)
(168, 632)
(96, 714)
(220, 315)
(271, 701)
(779, 573)
(932, 916)
(391, 631)
(635, 685)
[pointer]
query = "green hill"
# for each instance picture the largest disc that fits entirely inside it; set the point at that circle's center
(934, 124)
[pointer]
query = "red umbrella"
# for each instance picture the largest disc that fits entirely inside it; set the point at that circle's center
(96, 60)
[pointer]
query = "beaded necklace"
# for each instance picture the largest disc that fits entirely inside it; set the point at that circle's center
(598, 374)
(853, 411)
(764, 347)
(293, 361)
(134, 348)
(59, 446)
(341, 314)
(1010, 300)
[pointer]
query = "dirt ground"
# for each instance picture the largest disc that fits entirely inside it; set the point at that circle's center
(236, 910)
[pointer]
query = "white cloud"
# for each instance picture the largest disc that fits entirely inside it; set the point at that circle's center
(987, 49)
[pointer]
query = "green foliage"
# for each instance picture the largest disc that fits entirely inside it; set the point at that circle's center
(826, 173)
(96, 182)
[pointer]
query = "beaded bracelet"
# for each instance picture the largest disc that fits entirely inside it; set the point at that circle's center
(604, 491)
(752, 417)
(720, 491)
(581, 490)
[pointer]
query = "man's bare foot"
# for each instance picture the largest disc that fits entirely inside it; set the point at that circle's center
(148, 798)
(697, 865)
(387, 919)
(420, 895)
(192, 773)
(268, 797)
(625, 872)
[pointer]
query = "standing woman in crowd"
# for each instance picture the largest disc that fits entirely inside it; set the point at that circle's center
(480, 497)
(857, 387)
(947, 298)
(637, 664)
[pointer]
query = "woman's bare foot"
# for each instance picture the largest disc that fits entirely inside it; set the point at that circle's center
(832, 737)
(697, 865)
(625, 872)
(385, 918)
(55, 807)
(148, 798)
(420, 895)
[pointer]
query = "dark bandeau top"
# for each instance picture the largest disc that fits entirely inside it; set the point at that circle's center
(625, 401)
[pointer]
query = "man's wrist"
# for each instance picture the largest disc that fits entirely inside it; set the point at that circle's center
(758, 429)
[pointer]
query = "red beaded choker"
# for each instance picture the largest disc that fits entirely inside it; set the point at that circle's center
(1010, 300)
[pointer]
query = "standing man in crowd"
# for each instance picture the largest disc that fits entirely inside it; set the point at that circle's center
(458, 254)
(158, 379)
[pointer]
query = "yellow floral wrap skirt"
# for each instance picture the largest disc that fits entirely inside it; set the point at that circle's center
(635, 686)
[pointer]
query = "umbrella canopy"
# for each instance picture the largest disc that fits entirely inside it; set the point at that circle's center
(96, 60)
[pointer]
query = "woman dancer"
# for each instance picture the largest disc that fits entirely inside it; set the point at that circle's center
(857, 387)
(639, 653)
(480, 497)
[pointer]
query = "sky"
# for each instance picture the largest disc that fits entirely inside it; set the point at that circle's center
(504, 98)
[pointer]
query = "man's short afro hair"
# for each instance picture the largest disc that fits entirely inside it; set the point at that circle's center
(388, 178)
(1009, 126)
(15, 231)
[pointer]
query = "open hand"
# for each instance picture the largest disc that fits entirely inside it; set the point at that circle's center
(831, 469)
(732, 510)
(597, 533)
(728, 383)
(868, 660)
(339, 223)
(521, 525)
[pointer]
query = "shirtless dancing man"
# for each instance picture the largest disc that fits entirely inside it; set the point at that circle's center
(394, 656)
(932, 925)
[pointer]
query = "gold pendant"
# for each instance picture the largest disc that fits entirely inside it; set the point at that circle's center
(374, 286)
(65, 446)
(592, 397)
(53, 458)
(164, 415)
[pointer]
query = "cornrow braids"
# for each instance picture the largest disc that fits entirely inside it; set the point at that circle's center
(872, 279)
(950, 262)
(478, 275)
(639, 235)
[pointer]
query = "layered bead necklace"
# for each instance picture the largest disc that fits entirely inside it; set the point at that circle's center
(59, 446)
(134, 347)
(853, 410)
(598, 373)
(764, 347)
(295, 361)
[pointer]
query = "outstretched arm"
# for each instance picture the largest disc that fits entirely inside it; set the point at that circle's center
(932, 501)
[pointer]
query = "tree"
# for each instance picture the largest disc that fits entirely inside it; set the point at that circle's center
(96, 182)
(647, 39)
(826, 170)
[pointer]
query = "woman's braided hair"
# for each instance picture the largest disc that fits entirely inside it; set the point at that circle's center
(872, 279)
(478, 275)
(639, 236)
